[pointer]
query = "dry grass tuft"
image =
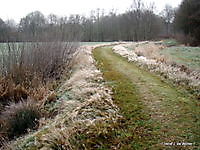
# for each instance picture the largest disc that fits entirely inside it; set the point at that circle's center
(19, 117)
(58, 139)
(52, 97)
(149, 50)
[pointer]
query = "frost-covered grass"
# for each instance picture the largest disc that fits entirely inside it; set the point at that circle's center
(93, 43)
(84, 100)
(180, 75)
(167, 51)
(170, 42)
(189, 56)
(2, 46)
(3, 49)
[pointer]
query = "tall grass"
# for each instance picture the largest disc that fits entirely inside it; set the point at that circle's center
(21, 60)
(32, 64)
(26, 71)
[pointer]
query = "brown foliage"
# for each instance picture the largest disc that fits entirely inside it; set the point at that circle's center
(52, 97)
(11, 93)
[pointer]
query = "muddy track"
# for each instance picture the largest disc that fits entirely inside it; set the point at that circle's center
(173, 116)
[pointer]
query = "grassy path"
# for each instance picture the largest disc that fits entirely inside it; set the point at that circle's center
(154, 112)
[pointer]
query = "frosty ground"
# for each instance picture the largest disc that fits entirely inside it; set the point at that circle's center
(119, 100)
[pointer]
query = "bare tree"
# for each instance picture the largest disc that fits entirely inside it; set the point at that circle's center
(52, 19)
(32, 25)
(168, 15)
(3, 31)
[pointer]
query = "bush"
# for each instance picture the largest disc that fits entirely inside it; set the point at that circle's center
(186, 39)
(19, 117)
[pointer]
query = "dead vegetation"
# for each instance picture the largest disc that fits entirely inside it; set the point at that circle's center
(83, 101)
(84, 113)
(30, 71)
(149, 50)
(18, 117)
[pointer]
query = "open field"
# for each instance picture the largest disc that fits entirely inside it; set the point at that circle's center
(188, 56)
(170, 42)
(93, 43)
(4, 46)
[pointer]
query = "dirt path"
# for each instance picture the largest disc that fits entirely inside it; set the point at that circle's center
(156, 113)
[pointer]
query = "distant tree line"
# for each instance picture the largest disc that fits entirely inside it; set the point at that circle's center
(138, 23)
(35, 27)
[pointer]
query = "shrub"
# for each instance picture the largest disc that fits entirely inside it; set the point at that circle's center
(19, 117)
(186, 39)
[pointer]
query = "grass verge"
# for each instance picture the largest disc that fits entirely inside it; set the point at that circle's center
(135, 130)
(148, 106)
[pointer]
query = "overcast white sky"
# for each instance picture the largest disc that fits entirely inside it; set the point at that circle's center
(16, 9)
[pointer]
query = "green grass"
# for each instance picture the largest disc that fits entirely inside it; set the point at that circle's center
(134, 131)
(188, 56)
(153, 111)
(170, 42)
